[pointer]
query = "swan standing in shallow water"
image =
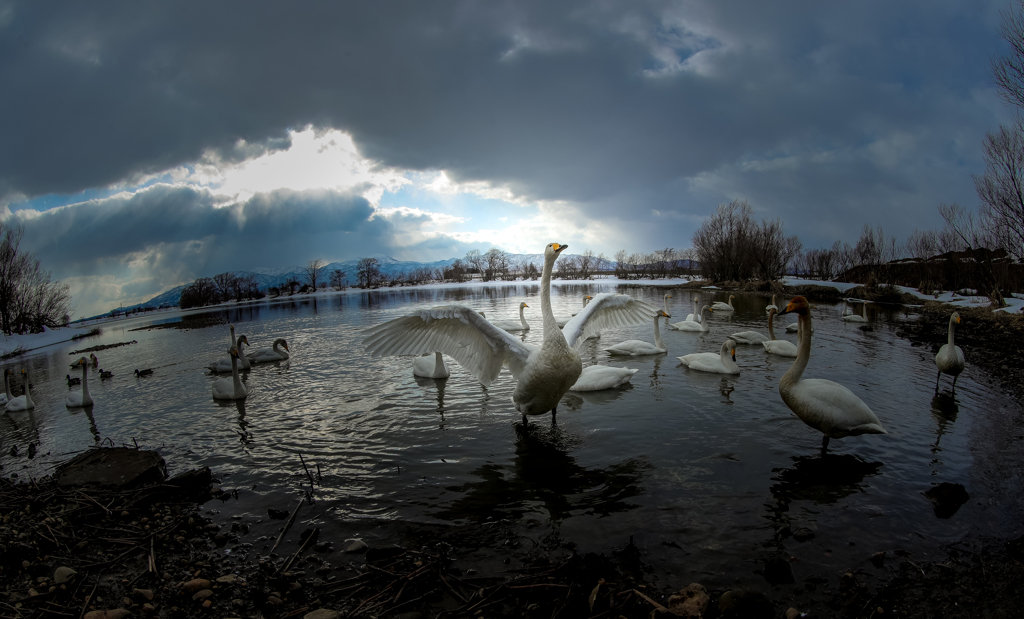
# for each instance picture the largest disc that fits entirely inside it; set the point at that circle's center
(774, 346)
(598, 377)
(768, 308)
(722, 363)
(695, 316)
(640, 347)
(22, 402)
(543, 374)
(231, 388)
(514, 325)
(689, 325)
(825, 405)
(268, 355)
(950, 359)
(430, 366)
(78, 399)
(6, 396)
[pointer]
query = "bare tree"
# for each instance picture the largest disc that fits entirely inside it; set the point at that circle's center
(338, 279)
(922, 244)
(475, 260)
(225, 283)
(368, 273)
(313, 270)
(495, 264)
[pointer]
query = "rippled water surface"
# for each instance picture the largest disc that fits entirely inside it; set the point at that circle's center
(708, 473)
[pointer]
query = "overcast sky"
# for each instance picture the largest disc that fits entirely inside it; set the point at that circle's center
(146, 144)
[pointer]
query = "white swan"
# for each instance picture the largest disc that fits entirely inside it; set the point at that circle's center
(430, 366)
(773, 346)
(231, 388)
(268, 355)
(772, 306)
(543, 373)
(862, 317)
(598, 377)
(226, 364)
(78, 399)
(562, 319)
(749, 337)
(640, 347)
(689, 325)
(724, 307)
(668, 314)
(695, 316)
(826, 406)
(950, 359)
(514, 325)
(722, 363)
(793, 327)
(22, 402)
(6, 396)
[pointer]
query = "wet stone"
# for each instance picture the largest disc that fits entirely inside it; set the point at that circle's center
(354, 546)
(322, 613)
(63, 574)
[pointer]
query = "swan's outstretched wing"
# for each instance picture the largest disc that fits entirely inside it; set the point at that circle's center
(606, 311)
(455, 330)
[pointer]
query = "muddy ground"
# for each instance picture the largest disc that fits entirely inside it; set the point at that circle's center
(154, 551)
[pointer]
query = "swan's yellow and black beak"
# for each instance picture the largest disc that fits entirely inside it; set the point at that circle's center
(557, 247)
(734, 354)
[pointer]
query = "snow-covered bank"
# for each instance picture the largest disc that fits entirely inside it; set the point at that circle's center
(32, 341)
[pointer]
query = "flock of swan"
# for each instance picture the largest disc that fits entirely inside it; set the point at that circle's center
(544, 373)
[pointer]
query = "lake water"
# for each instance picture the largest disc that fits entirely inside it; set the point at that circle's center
(709, 474)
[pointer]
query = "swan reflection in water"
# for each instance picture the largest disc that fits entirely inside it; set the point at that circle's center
(726, 388)
(822, 479)
(439, 383)
(245, 437)
(92, 421)
(944, 410)
(543, 476)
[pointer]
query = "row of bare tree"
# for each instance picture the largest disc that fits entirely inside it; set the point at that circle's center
(218, 289)
(29, 297)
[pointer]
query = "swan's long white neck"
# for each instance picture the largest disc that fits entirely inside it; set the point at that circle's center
(725, 354)
(7, 386)
(550, 325)
(657, 334)
(803, 352)
(236, 381)
(952, 323)
(522, 318)
(85, 382)
(771, 319)
(666, 303)
(704, 318)
(28, 396)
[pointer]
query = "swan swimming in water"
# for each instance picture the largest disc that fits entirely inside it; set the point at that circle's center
(689, 325)
(224, 365)
(599, 377)
(430, 366)
(231, 388)
(668, 314)
(722, 363)
(724, 307)
(695, 316)
(543, 374)
(825, 405)
(862, 317)
(639, 347)
(514, 325)
(22, 402)
(950, 359)
(773, 346)
(79, 399)
(268, 355)
(562, 319)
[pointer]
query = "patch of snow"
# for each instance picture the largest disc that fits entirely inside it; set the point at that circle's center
(33, 341)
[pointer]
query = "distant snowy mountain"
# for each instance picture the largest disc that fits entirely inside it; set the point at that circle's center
(278, 277)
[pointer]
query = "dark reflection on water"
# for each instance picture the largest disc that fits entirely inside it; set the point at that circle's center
(544, 474)
(822, 480)
(944, 411)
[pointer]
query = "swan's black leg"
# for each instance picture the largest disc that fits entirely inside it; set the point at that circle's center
(824, 444)
(524, 419)
(554, 411)
(937, 377)
(954, 383)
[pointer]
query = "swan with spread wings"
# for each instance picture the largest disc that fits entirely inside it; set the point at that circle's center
(543, 373)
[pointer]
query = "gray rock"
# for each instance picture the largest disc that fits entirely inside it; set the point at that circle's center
(63, 574)
(353, 546)
(322, 613)
(116, 467)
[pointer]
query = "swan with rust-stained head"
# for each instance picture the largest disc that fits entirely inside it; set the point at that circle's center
(514, 325)
(722, 363)
(430, 366)
(636, 348)
(269, 355)
(600, 377)
(543, 374)
(79, 399)
(22, 402)
(825, 405)
(774, 346)
(231, 388)
(724, 307)
(950, 359)
(689, 325)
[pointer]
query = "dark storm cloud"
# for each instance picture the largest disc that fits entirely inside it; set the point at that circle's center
(587, 102)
